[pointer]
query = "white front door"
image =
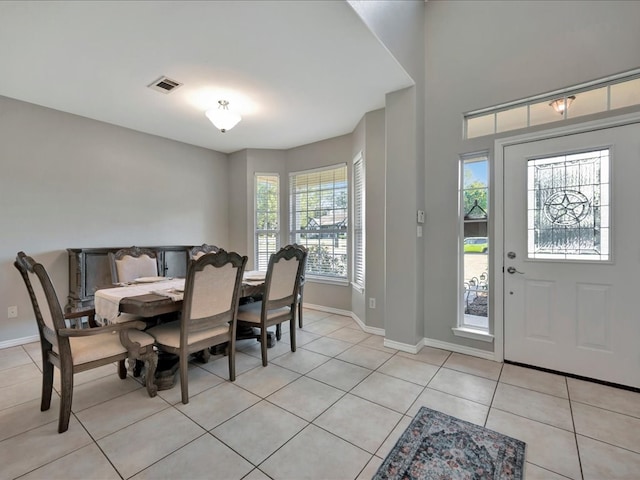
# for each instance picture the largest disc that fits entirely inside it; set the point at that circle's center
(572, 254)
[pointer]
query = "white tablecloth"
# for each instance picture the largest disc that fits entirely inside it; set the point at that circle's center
(107, 300)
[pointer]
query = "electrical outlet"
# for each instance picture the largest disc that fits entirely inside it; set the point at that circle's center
(372, 302)
(12, 312)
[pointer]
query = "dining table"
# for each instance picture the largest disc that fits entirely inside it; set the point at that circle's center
(151, 297)
(155, 297)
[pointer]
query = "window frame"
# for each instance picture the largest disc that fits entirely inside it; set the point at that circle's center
(269, 231)
(464, 328)
(358, 239)
(300, 235)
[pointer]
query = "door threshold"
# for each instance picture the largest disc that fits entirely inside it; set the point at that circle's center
(577, 377)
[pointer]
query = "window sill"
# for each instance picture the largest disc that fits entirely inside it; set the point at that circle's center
(473, 334)
(328, 281)
(357, 288)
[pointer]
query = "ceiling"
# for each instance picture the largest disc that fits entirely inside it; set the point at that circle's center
(297, 72)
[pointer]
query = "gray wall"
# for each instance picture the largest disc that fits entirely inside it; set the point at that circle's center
(400, 27)
(239, 201)
(483, 53)
(68, 181)
(375, 192)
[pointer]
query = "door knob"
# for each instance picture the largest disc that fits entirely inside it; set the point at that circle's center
(513, 270)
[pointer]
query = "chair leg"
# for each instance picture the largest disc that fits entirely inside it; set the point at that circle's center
(263, 344)
(184, 376)
(232, 361)
(151, 361)
(122, 369)
(278, 331)
(66, 380)
(47, 385)
(300, 314)
(292, 333)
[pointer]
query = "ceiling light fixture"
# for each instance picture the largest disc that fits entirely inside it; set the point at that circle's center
(559, 104)
(223, 118)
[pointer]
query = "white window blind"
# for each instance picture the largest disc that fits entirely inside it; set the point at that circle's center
(319, 219)
(358, 222)
(267, 226)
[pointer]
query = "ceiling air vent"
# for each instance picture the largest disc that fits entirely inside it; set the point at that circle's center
(164, 85)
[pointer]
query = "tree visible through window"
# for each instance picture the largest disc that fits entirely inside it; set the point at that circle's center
(267, 229)
(319, 219)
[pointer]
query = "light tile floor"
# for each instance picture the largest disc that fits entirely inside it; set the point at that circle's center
(331, 410)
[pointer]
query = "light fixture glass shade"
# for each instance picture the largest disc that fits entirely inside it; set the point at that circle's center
(223, 118)
(559, 104)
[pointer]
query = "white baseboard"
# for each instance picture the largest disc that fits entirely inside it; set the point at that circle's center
(474, 352)
(365, 328)
(404, 347)
(322, 308)
(407, 347)
(19, 341)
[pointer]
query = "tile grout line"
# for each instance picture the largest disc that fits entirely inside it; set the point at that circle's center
(575, 433)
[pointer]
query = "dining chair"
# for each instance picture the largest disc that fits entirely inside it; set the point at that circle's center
(127, 264)
(196, 252)
(74, 350)
(280, 296)
(301, 287)
(210, 306)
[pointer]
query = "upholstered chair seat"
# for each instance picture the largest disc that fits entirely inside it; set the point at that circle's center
(95, 347)
(168, 334)
(252, 312)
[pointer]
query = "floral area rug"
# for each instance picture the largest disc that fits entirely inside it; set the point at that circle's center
(438, 446)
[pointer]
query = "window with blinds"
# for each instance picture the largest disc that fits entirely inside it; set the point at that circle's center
(358, 222)
(267, 226)
(319, 219)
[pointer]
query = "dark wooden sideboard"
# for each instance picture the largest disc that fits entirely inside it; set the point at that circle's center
(89, 269)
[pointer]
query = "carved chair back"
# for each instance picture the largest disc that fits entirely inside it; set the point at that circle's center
(211, 293)
(127, 264)
(196, 252)
(282, 281)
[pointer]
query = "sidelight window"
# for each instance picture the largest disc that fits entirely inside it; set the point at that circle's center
(475, 244)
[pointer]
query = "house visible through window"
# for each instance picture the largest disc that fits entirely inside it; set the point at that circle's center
(267, 228)
(319, 219)
(474, 203)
